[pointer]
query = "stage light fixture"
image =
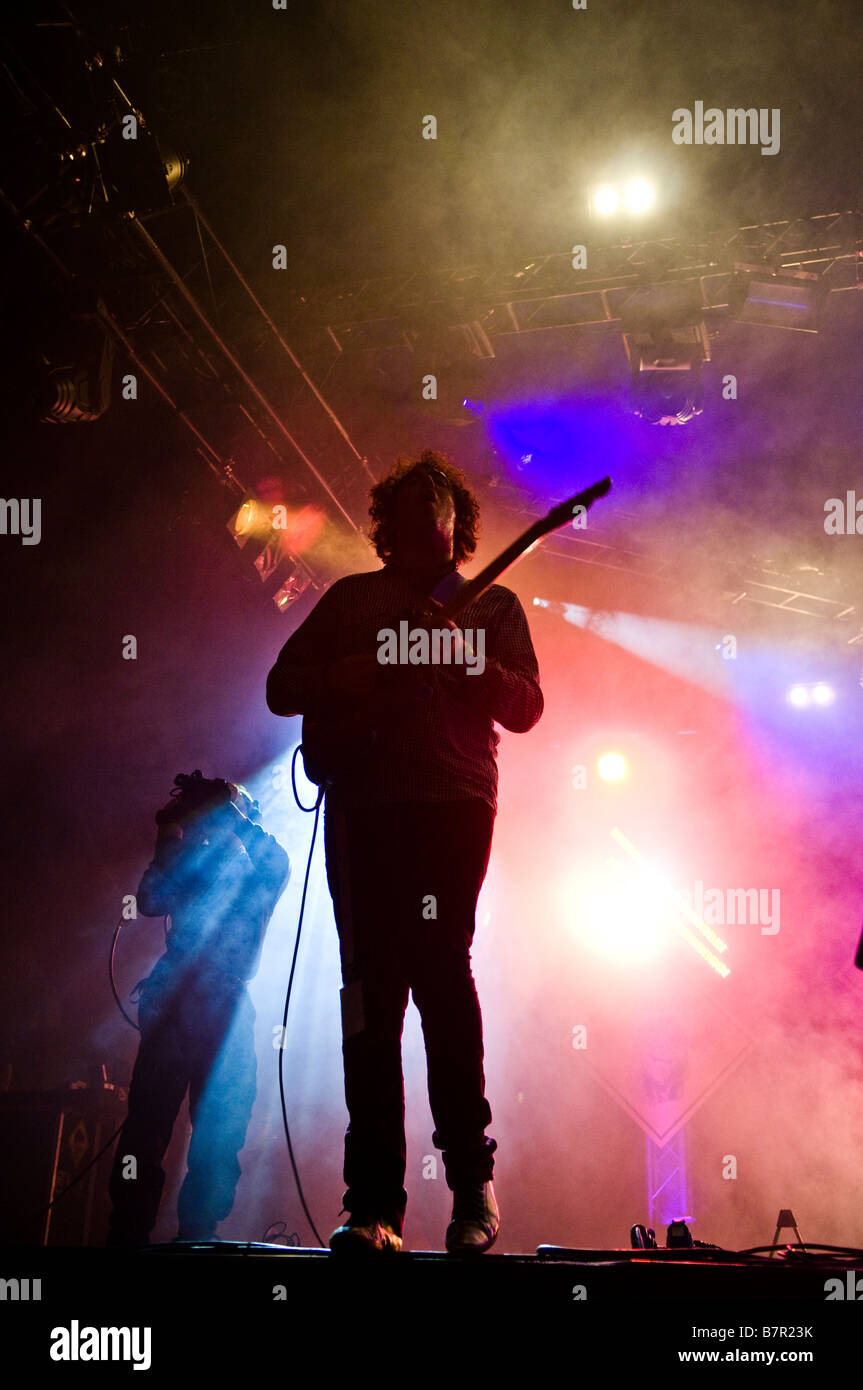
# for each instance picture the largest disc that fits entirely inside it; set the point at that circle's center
(639, 195)
(451, 404)
(250, 519)
(174, 166)
(612, 767)
(293, 588)
(666, 341)
(269, 559)
(605, 201)
(630, 197)
(79, 390)
(671, 394)
(790, 300)
(138, 176)
(802, 696)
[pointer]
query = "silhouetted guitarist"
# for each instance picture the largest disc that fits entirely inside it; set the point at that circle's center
(409, 815)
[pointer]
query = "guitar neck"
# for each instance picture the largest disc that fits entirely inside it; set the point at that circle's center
(557, 517)
(472, 589)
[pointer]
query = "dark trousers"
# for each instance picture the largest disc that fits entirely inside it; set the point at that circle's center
(196, 1033)
(404, 881)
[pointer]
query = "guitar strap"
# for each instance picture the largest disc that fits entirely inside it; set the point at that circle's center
(448, 587)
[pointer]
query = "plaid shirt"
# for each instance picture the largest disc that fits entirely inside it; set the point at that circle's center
(443, 747)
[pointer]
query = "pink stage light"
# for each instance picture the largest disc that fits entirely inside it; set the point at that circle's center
(617, 912)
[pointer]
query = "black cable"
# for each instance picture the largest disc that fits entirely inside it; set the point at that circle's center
(83, 1173)
(297, 750)
(296, 947)
(278, 1230)
(808, 1249)
(111, 976)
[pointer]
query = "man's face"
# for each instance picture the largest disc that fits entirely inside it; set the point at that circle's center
(425, 511)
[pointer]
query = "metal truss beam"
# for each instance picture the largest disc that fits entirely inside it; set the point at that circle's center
(547, 293)
(755, 586)
(667, 1187)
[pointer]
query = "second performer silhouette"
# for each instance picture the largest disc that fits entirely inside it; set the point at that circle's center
(218, 875)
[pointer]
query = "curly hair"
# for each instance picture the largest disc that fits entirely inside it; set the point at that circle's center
(382, 509)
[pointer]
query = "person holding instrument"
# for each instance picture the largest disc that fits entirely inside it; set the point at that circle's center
(410, 806)
(218, 876)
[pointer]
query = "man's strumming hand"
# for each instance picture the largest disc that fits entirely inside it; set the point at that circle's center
(353, 676)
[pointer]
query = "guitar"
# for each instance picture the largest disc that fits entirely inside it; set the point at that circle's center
(329, 745)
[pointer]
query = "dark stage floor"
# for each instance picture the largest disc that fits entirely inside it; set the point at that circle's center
(265, 1308)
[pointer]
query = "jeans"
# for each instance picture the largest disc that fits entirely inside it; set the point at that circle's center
(404, 881)
(196, 1033)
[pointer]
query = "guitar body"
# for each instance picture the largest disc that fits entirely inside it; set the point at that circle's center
(332, 746)
(346, 742)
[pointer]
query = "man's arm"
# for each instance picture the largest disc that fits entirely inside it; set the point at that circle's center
(508, 688)
(265, 852)
(159, 885)
(298, 682)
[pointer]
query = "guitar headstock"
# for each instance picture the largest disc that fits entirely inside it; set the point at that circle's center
(564, 511)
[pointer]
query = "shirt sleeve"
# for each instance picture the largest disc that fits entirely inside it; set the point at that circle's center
(268, 857)
(508, 689)
(165, 880)
(297, 683)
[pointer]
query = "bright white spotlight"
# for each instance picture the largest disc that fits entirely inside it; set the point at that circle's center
(611, 767)
(605, 200)
(639, 195)
(823, 694)
(618, 913)
(798, 696)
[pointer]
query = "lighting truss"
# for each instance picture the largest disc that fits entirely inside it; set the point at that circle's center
(547, 293)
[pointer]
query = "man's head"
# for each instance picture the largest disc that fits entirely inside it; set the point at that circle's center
(424, 506)
(198, 806)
